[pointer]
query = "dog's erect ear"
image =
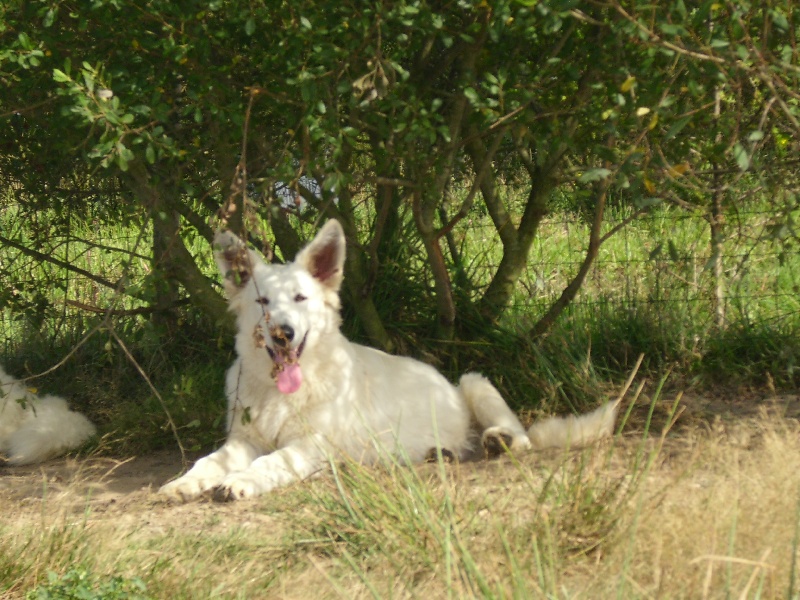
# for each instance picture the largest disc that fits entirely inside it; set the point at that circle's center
(234, 260)
(324, 256)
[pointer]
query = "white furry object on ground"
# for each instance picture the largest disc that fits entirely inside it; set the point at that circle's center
(300, 394)
(35, 428)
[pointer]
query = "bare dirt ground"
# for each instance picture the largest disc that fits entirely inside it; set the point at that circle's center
(714, 515)
(124, 488)
(108, 489)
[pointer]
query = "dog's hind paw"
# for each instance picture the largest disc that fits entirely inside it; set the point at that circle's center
(495, 444)
(498, 440)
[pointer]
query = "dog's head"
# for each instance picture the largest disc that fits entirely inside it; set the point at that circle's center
(284, 310)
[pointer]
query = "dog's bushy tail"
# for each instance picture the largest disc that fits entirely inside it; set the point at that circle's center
(51, 430)
(573, 431)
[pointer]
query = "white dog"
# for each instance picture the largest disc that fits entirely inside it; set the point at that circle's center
(34, 428)
(300, 393)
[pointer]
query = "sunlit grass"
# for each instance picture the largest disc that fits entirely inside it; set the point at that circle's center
(701, 514)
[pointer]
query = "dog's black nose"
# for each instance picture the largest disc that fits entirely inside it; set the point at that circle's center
(283, 335)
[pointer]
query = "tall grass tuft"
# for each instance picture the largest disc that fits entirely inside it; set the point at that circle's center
(766, 353)
(505, 529)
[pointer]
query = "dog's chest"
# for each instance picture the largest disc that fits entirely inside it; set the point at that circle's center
(272, 419)
(266, 416)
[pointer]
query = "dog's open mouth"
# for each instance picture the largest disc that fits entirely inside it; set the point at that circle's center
(285, 366)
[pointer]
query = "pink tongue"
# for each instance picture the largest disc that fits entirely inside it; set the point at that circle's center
(289, 379)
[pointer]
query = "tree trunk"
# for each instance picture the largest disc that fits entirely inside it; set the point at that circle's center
(568, 295)
(356, 282)
(715, 220)
(515, 256)
(432, 181)
(359, 292)
(516, 242)
(286, 238)
(172, 262)
(166, 224)
(445, 306)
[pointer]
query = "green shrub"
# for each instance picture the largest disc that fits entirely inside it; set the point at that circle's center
(79, 584)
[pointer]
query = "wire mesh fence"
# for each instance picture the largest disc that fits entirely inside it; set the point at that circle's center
(662, 263)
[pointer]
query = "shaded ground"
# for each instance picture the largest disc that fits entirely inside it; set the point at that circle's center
(123, 489)
(106, 488)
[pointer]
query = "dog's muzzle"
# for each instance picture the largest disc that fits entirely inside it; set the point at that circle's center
(285, 366)
(282, 338)
(282, 335)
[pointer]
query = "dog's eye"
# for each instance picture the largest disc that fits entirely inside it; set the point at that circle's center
(263, 301)
(299, 298)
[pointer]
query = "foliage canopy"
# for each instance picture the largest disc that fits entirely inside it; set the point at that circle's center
(402, 119)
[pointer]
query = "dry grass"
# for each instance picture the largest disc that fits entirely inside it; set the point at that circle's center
(707, 513)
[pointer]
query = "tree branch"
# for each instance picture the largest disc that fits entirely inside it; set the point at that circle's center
(130, 312)
(568, 295)
(48, 258)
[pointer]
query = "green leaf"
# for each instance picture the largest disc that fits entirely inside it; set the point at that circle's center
(49, 17)
(250, 26)
(676, 128)
(780, 20)
(594, 175)
(647, 202)
(673, 251)
(742, 52)
(331, 181)
(670, 29)
(742, 159)
(471, 95)
(60, 76)
(655, 252)
(88, 79)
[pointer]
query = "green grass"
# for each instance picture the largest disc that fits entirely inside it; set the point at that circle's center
(649, 514)
(78, 584)
(649, 292)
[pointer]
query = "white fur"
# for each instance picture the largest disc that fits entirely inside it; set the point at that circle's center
(353, 400)
(574, 431)
(34, 428)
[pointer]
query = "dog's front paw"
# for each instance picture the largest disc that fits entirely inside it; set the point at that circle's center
(185, 488)
(239, 486)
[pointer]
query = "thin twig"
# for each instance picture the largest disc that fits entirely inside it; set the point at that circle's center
(629, 381)
(129, 312)
(69, 354)
(48, 258)
(156, 393)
